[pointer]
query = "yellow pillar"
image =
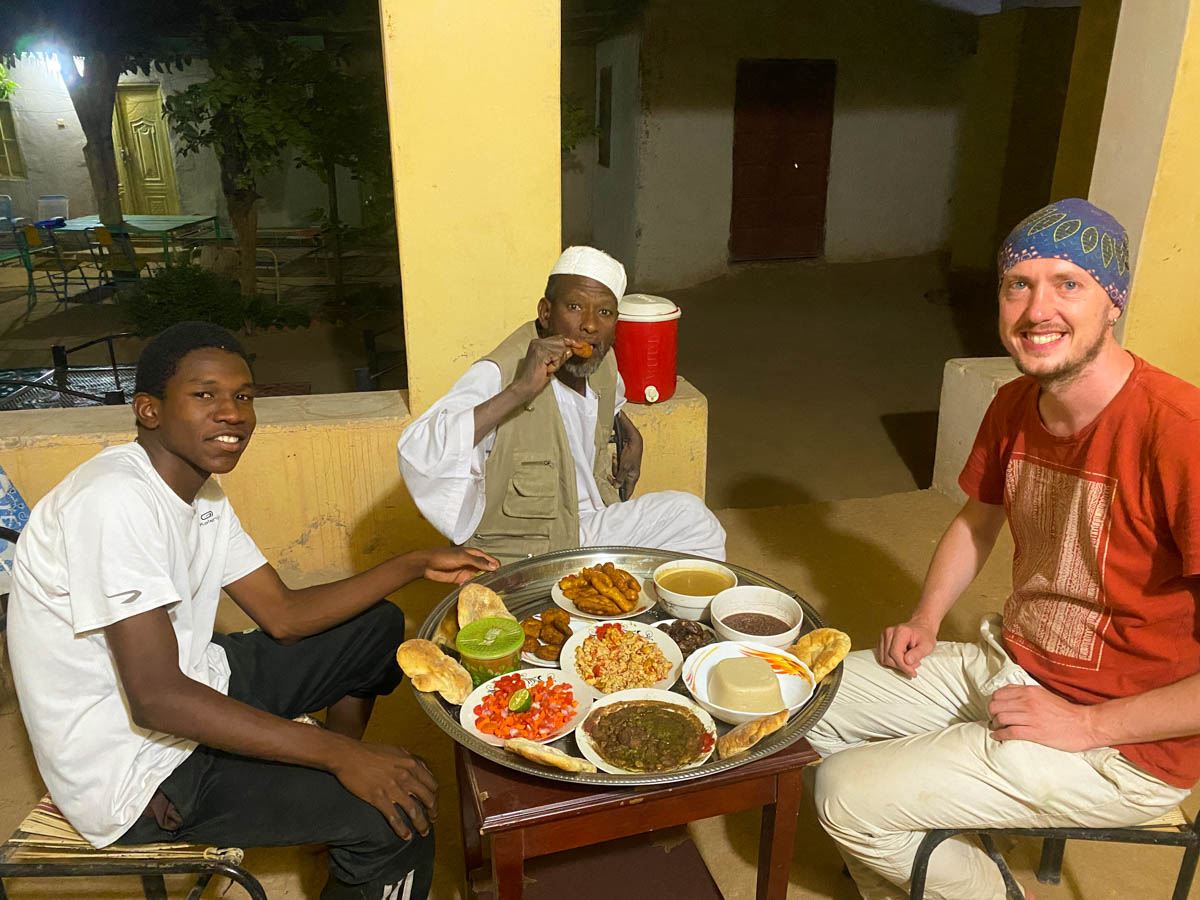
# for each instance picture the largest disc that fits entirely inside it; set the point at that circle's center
(473, 106)
(1146, 174)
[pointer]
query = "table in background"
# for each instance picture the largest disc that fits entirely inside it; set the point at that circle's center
(528, 816)
(166, 226)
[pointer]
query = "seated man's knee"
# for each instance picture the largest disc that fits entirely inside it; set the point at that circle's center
(368, 849)
(841, 793)
(385, 621)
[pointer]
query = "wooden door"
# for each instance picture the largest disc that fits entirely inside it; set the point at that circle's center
(145, 165)
(782, 125)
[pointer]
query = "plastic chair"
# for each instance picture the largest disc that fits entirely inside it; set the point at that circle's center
(1171, 830)
(52, 206)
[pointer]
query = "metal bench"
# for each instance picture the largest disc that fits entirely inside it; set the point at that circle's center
(1172, 830)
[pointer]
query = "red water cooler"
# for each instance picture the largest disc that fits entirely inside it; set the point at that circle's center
(646, 345)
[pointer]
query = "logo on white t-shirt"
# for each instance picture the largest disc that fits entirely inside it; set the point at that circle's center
(208, 517)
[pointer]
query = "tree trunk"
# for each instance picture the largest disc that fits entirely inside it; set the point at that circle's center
(94, 96)
(335, 224)
(243, 211)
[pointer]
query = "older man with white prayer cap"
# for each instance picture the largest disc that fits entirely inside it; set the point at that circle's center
(514, 460)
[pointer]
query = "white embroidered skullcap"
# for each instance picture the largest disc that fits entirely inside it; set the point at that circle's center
(592, 263)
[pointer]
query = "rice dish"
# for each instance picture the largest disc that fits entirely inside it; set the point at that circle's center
(614, 659)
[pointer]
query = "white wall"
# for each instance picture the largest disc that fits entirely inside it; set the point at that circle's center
(615, 187)
(897, 113)
(54, 156)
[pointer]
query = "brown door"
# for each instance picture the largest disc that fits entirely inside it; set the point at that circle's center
(782, 124)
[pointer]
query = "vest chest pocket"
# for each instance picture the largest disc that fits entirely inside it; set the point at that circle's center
(532, 491)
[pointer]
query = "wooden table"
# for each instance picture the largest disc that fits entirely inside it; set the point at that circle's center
(526, 816)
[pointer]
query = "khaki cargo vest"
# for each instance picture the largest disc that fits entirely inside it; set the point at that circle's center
(532, 501)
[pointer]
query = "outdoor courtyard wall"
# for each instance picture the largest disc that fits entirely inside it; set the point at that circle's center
(54, 164)
(318, 488)
(901, 72)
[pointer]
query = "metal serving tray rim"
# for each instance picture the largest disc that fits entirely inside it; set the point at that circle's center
(564, 562)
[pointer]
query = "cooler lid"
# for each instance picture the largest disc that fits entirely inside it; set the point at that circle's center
(646, 308)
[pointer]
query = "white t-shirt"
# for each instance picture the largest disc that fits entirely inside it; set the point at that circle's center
(110, 541)
(444, 469)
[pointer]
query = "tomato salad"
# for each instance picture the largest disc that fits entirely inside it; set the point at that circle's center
(551, 706)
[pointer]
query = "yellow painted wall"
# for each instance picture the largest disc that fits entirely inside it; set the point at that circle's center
(472, 88)
(1090, 64)
(1163, 320)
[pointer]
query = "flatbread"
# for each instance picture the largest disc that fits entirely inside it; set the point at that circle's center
(477, 602)
(430, 670)
(821, 650)
(547, 756)
(743, 737)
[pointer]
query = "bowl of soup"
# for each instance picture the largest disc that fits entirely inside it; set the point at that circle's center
(755, 613)
(685, 587)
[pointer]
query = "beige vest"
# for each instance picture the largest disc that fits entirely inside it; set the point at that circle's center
(532, 501)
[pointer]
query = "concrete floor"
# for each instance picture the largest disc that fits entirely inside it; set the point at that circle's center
(818, 443)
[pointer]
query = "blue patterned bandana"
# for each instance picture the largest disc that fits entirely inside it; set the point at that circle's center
(1079, 232)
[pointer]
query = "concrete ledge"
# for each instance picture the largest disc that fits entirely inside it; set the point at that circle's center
(318, 488)
(968, 386)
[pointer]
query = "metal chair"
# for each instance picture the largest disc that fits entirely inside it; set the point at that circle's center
(43, 255)
(1171, 830)
(115, 255)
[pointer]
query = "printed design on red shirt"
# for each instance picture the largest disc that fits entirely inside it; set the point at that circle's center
(1060, 524)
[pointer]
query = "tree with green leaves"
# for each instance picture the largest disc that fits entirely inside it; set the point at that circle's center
(244, 113)
(341, 120)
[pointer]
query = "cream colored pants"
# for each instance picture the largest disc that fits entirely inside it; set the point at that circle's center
(903, 756)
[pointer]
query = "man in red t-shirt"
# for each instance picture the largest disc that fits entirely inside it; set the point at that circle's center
(1083, 708)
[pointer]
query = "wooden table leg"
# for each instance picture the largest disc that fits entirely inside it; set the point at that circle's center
(777, 837)
(468, 820)
(508, 865)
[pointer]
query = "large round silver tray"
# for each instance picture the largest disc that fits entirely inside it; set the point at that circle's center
(525, 587)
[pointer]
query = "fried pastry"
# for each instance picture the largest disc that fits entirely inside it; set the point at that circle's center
(743, 737)
(547, 756)
(432, 670)
(477, 602)
(821, 650)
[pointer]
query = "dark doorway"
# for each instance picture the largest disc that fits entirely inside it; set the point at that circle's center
(782, 125)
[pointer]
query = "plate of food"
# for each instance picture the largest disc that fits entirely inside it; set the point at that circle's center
(602, 591)
(739, 681)
(646, 731)
(689, 634)
(533, 704)
(618, 656)
(545, 634)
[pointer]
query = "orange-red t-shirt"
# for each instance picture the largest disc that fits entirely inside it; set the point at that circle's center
(1106, 524)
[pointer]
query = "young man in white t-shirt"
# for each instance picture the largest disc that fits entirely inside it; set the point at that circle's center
(149, 727)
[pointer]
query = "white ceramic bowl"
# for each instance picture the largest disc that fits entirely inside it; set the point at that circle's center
(796, 681)
(756, 599)
(686, 606)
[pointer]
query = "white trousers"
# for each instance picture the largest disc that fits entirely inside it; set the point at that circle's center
(664, 520)
(903, 756)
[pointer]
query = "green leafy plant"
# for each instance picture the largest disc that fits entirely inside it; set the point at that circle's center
(576, 122)
(190, 293)
(7, 86)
